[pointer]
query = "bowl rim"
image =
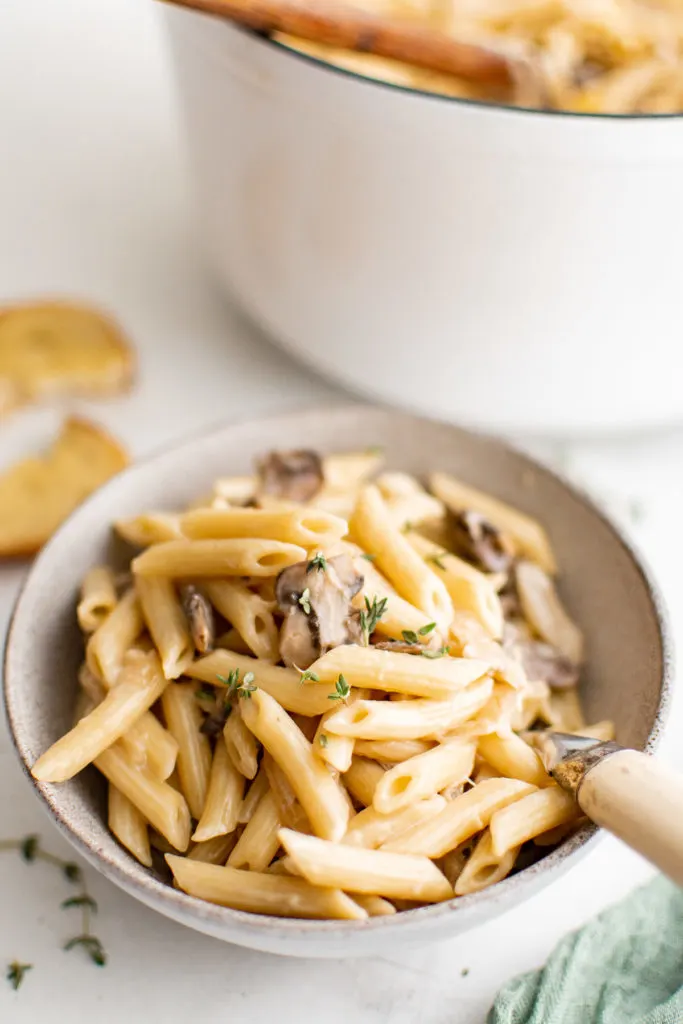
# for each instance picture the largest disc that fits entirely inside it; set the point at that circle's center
(195, 912)
(504, 108)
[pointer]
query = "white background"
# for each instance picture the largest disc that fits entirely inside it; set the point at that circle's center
(93, 203)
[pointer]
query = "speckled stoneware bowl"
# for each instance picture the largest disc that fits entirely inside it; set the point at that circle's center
(604, 583)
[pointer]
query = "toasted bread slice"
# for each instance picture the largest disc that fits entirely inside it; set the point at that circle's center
(39, 492)
(59, 348)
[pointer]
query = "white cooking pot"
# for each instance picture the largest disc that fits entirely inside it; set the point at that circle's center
(513, 269)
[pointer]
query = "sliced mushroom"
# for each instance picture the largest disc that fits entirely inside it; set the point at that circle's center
(544, 662)
(400, 647)
(544, 612)
(316, 602)
(292, 475)
(200, 619)
(479, 541)
(509, 601)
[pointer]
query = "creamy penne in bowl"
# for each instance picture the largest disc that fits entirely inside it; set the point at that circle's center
(313, 690)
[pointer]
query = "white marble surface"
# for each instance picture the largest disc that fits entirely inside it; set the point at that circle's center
(93, 203)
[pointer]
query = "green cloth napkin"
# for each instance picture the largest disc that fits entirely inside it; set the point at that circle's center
(624, 967)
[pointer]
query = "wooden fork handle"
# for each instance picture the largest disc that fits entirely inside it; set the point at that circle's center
(639, 800)
(341, 25)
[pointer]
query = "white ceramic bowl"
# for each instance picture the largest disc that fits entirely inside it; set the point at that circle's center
(607, 590)
(510, 269)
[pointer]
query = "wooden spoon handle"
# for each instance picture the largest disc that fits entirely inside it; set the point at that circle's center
(347, 27)
(641, 802)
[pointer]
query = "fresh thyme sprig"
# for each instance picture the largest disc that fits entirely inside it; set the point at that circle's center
(305, 676)
(437, 559)
(341, 690)
(247, 688)
(30, 851)
(235, 688)
(411, 637)
(15, 973)
(440, 653)
(368, 557)
(318, 562)
(371, 616)
(305, 601)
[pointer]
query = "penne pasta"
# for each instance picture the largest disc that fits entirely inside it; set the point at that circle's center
(160, 843)
(392, 751)
(336, 751)
(370, 828)
(129, 826)
(395, 875)
(98, 598)
(448, 764)
(281, 683)
(261, 893)
(223, 798)
(538, 812)
(90, 684)
(318, 793)
(348, 471)
(166, 622)
(106, 647)
(235, 489)
(249, 614)
(395, 672)
(214, 851)
(244, 557)
(241, 745)
(409, 719)
(290, 811)
(152, 528)
(511, 756)
(528, 535)
(394, 485)
(259, 842)
(258, 787)
(399, 615)
(309, 528)
(183, 720)
(484, 771)
(461, 818)
(161, 805)
(407, 501)
(140, 685)
(470, 590)
(150, 745)
(374, 906)
(361, 779)
(371, 527)
(232, 641)
(484, 867)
